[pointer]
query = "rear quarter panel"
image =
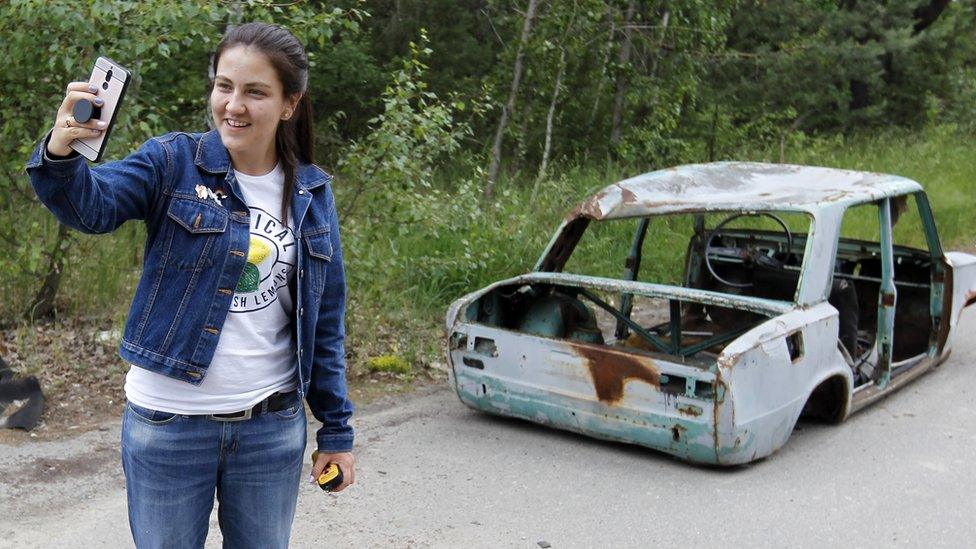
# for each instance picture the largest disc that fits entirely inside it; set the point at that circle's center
(767, 389)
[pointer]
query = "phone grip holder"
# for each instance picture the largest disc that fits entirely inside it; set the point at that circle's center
(84, 110)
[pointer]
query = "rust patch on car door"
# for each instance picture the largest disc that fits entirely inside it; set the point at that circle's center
(611, 370)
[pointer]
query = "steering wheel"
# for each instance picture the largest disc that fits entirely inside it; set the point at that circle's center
(748, 254)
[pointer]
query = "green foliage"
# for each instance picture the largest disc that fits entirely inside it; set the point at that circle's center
(388, 363)
(828, 66)
(412, 133)
(406, 116)
(463, 33)
(166, 44)
(940, 158)
(389, 172)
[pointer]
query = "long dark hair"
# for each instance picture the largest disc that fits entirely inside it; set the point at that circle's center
(294, 138)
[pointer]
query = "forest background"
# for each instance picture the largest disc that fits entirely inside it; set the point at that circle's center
(461, 131)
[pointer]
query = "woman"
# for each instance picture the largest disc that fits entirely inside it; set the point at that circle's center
(239, 311)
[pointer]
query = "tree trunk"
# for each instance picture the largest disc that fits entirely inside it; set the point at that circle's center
(552, 111)
(603, 66)
(647, 108)
(859, 95)
(711, 137)
(665, 19)
(926, 14)
(622, 61)
(43, 303)
(523, 116)
(496, 148)
(607, 49)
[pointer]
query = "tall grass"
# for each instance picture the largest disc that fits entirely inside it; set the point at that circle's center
(403, 274)
(940, 158)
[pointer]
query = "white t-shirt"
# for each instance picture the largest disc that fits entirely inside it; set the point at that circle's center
(255, 355)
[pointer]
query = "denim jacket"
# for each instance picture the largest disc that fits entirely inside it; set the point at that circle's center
(196, 249)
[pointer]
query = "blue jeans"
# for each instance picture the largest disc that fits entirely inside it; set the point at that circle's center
(175, 464)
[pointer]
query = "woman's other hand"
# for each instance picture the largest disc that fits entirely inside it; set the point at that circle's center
(346, 463)
(66, 128)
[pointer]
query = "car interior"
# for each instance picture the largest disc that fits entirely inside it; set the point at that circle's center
(754, 254)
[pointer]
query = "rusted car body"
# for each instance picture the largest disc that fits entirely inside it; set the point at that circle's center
(757, 332)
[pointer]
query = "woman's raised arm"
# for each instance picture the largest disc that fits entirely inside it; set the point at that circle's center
(96, 200)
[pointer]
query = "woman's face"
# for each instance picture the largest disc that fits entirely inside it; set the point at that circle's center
(247, 102)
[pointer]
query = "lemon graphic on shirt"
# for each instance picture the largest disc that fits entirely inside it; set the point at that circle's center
(256, 253)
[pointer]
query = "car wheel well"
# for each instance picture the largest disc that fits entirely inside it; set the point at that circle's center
(828, 402)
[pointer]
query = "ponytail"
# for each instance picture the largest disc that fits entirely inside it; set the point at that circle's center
(294, 143)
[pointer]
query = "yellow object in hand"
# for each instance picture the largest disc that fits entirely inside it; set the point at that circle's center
(331, 476)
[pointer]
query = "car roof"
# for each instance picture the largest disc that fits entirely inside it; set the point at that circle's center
(741, 186)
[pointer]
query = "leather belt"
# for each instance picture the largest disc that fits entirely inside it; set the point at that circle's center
(274, 403)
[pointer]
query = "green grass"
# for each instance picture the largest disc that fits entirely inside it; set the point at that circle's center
(939, 158)
(403, 274)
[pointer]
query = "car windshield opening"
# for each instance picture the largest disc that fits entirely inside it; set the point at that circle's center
(758, 254)
(703, 271)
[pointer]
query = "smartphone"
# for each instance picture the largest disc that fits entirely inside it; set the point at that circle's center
(112, 80)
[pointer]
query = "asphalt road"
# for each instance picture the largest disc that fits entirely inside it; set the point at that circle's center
(433, 473)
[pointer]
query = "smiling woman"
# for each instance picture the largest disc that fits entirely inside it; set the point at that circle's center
(248, 103)
(239, 312)
(260, 103)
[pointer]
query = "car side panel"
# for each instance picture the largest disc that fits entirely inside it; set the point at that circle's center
(768, 389)
(597, 390)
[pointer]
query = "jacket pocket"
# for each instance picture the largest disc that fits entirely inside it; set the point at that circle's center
(197, 216)
(195, 225)
(319, 245)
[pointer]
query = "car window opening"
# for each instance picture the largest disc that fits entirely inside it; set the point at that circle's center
(730, 253)
(737, 254)
(859, 265)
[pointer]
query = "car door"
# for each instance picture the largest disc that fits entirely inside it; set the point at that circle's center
(887, 297)
(912, 313)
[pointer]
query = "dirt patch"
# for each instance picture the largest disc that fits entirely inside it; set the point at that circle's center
(79, 369)
(82, 376)
(46, 468)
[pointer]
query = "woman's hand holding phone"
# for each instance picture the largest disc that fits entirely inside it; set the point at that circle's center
(66, 128)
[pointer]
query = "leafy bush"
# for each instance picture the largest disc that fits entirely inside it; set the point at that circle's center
(166, 44)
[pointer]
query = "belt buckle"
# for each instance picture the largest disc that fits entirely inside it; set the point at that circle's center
(245, 415)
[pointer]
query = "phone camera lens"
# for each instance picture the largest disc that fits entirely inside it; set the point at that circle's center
(108, 75)
(104, 85)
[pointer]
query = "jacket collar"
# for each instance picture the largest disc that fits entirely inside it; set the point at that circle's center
(212, 157)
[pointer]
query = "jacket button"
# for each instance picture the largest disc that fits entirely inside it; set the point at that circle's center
(301, 274)
(301, 191)
(301, 311)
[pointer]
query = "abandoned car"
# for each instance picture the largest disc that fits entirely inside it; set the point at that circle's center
(750, 294)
